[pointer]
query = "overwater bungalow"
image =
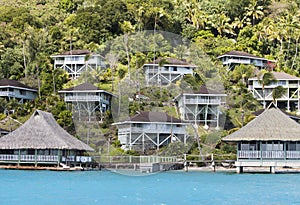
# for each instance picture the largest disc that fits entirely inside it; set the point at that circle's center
(41, 142)
(270, 140)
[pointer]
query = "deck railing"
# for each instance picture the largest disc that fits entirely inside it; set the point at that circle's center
(7, 93)
(83, 98)
(249, 154)
(28, 158)
(278, 154)
(43, 158)
(135, 159)
(203, 101)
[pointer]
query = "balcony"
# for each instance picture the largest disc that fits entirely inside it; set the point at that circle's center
(277, 154)
(204, 101)
(28, 158)
(7, 94)
(238, 61)
(175, 130)
(85, 98)
(42, 158)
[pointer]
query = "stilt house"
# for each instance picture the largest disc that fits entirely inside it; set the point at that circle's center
(270, 140)
(40, 141)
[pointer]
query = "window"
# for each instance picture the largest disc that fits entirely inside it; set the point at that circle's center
(22, 92)
(244, 146)
(291, 146)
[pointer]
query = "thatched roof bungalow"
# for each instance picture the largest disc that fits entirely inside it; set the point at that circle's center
(40, 140)
(271, 139)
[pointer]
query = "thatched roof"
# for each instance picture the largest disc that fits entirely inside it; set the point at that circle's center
(41, 131)
(271, 125)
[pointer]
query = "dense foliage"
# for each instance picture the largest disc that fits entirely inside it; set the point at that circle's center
(31, 31)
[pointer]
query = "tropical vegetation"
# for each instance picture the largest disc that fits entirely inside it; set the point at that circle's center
(32, 30)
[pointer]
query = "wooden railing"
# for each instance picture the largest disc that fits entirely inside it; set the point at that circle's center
(29, 158)
(135, 159)
(204, 101)
(278, 154)
(249, 154)
(83, 98)
(293, 154)
(43, 158)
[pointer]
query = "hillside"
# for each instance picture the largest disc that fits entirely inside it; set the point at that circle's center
(31, 31)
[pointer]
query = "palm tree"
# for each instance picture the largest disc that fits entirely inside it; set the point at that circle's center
(265, 79)
(254, 11)
(278, 92)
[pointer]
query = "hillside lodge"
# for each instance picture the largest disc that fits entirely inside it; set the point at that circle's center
(290, 99)
(232, 58)
(169, 72)
(75, 62)
(12, 89)
(151, 130)
(41, 143)
(270, 140)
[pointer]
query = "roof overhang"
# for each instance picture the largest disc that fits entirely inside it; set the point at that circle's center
(184, 66)
(146, 122)
(17, 87)
(87, 91)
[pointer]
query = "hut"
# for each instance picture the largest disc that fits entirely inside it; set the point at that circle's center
(41, 142)
(270, 140)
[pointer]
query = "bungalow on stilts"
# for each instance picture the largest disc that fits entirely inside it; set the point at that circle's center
(40, 143)
(270, 140)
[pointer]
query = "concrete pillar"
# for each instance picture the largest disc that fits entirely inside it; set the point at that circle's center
(272, 170)
(239, 169)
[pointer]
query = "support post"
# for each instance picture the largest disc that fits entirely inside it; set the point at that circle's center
(19, 157)
(35, 157)
(213, 164)
(239, 169)
(186, 168)
(272, 170)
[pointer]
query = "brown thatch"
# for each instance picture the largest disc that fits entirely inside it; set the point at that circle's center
(41, 131)
(271, 125)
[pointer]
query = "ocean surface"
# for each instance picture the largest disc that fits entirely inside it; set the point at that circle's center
(175, 187)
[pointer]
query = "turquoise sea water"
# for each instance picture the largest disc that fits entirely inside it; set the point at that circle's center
(178, 187)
